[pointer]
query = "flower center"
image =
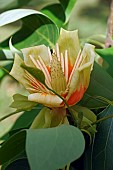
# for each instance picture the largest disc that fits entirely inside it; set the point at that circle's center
(58, 81)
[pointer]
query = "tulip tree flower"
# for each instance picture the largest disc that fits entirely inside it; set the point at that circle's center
(67, 70)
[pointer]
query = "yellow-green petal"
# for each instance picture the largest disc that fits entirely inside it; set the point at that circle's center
(35, 52)
(73, 84)
(88, 54)
(68, 40)
(86, 64)
(18, 73)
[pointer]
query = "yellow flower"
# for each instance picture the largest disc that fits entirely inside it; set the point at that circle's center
(67, 70)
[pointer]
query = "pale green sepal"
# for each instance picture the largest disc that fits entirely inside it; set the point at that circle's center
(86, 112)
(21, 103)
(88, 118)
(68, 40)
(43, 119)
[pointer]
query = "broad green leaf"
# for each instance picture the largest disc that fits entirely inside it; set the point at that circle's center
(56, 13)
(23, 121)
(17, 164)
(36, 29)
(107, 55)
(67, 5)
(18, 157)
(53, 148)
(59, 12)
(14, 15)
(100, 155)
(101, 84)
(21, 103)
(26, 119)
(35, 72)
(12, 147)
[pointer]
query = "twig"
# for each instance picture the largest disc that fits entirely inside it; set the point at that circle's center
(109, 41)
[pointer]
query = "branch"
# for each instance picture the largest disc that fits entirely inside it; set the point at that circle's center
(109, 41)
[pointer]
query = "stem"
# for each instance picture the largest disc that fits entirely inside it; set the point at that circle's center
(102, 119)
(4, 69)
(60, 97)
(13, 113)
(68, 166)
(96, 43)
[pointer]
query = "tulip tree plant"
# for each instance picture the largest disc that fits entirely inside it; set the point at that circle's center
(66, 114)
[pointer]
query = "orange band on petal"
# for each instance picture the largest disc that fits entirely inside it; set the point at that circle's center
(76, 96)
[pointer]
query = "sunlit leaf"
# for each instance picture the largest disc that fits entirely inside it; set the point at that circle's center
(36, 29)
(8, 30)
(56, 13)
(67, 6)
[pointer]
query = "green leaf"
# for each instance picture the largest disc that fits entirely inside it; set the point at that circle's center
(53, 148)
(102, 84)
(6, 54)
(100, 155)
(56, 13)
(14, 15)
(7, 31)
(25, 119)
(12, 147)
(36, 29)
(35, 72)
(67, 5)
(107, 55)
(17, 164)
(21, 103)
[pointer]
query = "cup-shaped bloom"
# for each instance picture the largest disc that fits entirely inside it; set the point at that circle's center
(67, 70)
